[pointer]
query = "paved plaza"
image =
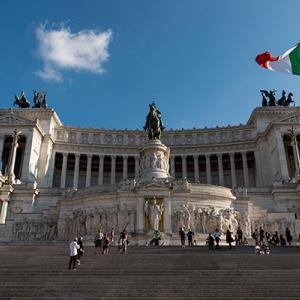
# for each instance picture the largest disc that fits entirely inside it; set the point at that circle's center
(30, 272)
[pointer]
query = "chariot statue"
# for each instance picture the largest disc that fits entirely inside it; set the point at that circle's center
(39, 100)
(22, 101)
(154, 125)
(283, 101)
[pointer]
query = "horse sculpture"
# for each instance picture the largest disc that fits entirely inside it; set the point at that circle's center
(289, 99)
(270, 95)
(283, 101)
(153, 123)
(22, 103)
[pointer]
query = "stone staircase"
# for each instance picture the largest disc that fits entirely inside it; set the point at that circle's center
(28, 272)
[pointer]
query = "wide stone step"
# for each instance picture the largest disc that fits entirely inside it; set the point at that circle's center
(149, 273)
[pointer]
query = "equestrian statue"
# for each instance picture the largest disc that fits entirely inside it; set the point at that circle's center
(22, 102)
(154, 125)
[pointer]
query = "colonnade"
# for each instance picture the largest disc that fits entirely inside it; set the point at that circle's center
(207, 161)
(62, 166)
(289, 154)
(83, 170)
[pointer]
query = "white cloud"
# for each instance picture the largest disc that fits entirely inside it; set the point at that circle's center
(63, 50)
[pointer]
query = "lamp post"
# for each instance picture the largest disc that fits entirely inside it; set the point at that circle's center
(296, 152)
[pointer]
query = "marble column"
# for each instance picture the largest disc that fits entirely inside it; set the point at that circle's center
(258, 177)
(172, 162)
(51, 170)
(232, 171)
(282, 157)
(125, 167)
(296, 156)
(167, 216)
(101, 168)
(184, 173)
(136, 167)
(245, 169)
(3, 211)
(221, 172)
(196, 168)
(12, 156)
(64, 171)
(76, 171)
(5, 193)
(208, 168)
(27, 174)
(88, 170)
(113, 170)
(1, 151)
(140, 215)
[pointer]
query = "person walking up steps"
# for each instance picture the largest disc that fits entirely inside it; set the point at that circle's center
(239, 234)
(182, 236)
(190, 235)
(229, 238)
(80, 250)
(105, 244)
(98, 241)
(211, 242)
(73, 253)
(217, 236)
(123, 242)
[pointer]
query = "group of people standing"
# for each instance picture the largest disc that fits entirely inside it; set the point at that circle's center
(262, 238)
(213, 239)
(102, 241)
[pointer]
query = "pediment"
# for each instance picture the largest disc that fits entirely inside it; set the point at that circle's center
(156, 186)
(12, 119)
(291, 119)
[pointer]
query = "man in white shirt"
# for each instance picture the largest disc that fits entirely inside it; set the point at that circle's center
(217, 236)
(73, 253)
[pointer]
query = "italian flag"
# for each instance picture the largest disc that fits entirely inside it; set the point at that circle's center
(289, 62)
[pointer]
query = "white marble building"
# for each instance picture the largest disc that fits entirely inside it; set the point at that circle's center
(68, 181)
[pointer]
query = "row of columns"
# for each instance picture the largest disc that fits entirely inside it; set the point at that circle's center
(208, 168)
(101, 169)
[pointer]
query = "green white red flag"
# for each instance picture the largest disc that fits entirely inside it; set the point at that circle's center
(289, 62)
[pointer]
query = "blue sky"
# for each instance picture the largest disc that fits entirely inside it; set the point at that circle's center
(194, 58)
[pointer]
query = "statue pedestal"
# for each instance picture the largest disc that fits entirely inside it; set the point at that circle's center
(154, 160)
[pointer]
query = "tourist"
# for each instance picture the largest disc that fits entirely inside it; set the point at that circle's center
(229, 238)
(105, 244)
(80, 250)
(123, 241)
(255, 236)
(211, 242)
(264, 249)
(112, 236)
(73, 253)
(217, 236)
(239, 234)
(288, 236)
(257, 249)
(282, 240)
(190, 235)
(245, 242)
(98, 241)
(156, 238)
(276, 238)
(261, 235)
(182, 236)
(298, 240)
